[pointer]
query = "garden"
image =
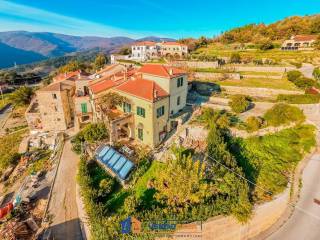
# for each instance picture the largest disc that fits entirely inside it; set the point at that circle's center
(184, 188)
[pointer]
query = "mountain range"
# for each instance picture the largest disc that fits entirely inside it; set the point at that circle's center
(23, 47)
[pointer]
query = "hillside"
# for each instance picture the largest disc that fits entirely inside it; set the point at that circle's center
(27, 47)
(259, 33)
(10, 55)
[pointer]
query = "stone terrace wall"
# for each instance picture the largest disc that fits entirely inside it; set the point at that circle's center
(216, 76)
(263, 69)
(195, 64)
(258, 92)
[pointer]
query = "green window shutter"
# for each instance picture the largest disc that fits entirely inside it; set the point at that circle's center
(141, 112)
(140, 134)
(84, 108)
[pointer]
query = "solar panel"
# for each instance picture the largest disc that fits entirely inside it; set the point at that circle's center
(103, 151)
(114, 159)
(119, 164)
(125, 170)
(108, 155)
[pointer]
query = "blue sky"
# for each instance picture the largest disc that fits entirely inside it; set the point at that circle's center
(139, 18)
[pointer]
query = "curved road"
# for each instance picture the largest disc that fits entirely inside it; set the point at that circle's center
(304, 224)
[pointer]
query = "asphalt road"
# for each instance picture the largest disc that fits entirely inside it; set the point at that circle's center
(63, 207)
(304, 224)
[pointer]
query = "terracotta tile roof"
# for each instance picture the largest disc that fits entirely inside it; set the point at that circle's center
(65, 76)
(58, 86)
(161, 70)
(102, 86)
(144, 43)
(304, 38)
(107, 68)
(173, 44)
(143, 88)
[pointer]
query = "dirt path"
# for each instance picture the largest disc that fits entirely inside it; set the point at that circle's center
(63, 206)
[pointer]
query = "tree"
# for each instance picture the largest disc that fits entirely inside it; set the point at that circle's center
(125, 51)
(233, 191)
(316, 73)
(240, 103)
(130, 204)
(235, 58)
(100, 61)
(182, 183)
(70, 67)
(109, 101)
(105, 187)
(22, 96)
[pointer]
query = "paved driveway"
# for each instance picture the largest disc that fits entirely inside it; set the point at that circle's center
(63, 206)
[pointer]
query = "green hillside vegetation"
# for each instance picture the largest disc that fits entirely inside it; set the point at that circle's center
(261, 33)
(281, 114)
(270, 160)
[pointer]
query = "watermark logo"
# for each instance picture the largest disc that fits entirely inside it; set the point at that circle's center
(130, 225)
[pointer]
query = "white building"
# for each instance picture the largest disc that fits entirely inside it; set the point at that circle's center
(143, 51)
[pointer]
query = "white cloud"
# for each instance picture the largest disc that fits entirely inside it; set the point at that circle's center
(20, 17)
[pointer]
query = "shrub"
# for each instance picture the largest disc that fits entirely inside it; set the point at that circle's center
(299, 98)
(22, 96)
(293, 75)
(282, 113)
(304, 82)
(266, 46)
(253, 124)
(235, 58)
(316, 73)
(240, 103)
(91, 133)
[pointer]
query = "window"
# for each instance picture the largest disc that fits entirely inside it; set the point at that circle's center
(54, 96)
(84, 108)
(141, 111)
(140, 134)
(180, 82)
(178, 101)
(126, 107)
(160, 111)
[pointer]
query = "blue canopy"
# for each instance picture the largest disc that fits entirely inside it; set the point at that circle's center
(115, 161)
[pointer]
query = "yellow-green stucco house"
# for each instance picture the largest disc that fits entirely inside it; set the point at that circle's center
(153, 93)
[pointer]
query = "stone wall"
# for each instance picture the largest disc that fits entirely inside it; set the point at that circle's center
(258, 92)
(263, 69)
(196, 64)
(216, 76)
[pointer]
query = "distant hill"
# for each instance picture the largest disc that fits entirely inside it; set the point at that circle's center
(10, 55)
(258, 33)
(36, 46)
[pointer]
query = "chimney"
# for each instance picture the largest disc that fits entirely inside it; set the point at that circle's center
(171, 71)
(155, 94)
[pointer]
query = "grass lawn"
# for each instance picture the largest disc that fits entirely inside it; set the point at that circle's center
(141, 185)
(5, 100)
(9, 146)
(260, 83)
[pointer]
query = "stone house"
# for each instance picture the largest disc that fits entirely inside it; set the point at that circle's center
(299, 42)
(53, 107)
